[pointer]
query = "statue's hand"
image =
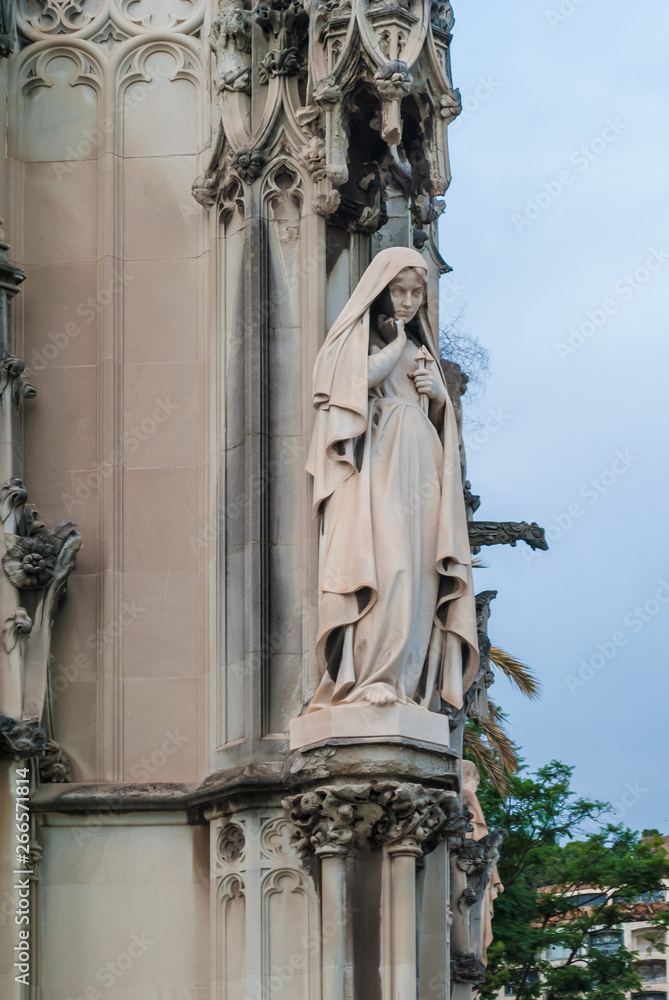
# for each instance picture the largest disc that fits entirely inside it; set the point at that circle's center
(428, 384)
(391, 329)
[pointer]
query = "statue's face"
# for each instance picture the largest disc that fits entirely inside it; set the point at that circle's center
(407, 291)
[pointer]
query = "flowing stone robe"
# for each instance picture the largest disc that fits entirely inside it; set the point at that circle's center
(396, 601)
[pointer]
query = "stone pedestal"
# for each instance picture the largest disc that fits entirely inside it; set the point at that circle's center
(376, 723)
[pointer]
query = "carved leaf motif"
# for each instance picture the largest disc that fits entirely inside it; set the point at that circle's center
(33, 562)
(29, 562)
(336, 818)
(280, 62)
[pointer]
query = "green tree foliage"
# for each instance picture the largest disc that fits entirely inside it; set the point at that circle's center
(560, 852)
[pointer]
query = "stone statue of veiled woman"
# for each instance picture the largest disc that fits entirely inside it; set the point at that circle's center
(397, 618)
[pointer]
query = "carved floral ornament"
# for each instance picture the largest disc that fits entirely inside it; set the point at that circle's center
(107, 21)
(360, 56)
(332, 819)
(37, 562)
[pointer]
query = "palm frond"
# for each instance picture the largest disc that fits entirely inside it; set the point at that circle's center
(498, 738)
(482, 755)
(517, 672)
(477, 564)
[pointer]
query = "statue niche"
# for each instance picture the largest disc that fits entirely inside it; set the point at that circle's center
(397, 617)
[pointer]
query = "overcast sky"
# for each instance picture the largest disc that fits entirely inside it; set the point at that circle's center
(557, 228)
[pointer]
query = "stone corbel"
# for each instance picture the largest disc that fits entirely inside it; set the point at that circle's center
(328, 97)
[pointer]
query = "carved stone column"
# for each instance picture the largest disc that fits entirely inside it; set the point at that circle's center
(367, 838)
(336, 953)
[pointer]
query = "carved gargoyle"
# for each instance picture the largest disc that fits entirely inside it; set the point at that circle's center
(505, 533)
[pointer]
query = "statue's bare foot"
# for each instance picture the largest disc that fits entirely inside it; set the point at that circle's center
(382, 696)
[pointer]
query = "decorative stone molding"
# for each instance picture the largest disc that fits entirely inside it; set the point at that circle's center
(276, 839)
(106, 22)
(279, 62)
(334, 819)
(506, 533)
(230, 844)
(379, 78)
